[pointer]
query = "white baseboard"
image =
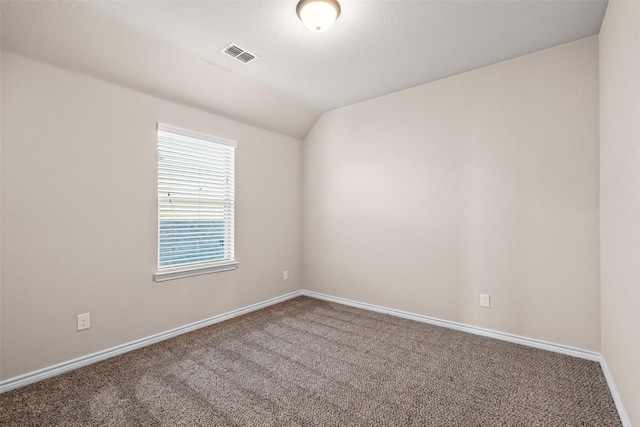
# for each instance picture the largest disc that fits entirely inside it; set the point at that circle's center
(61, 368)
(41, 374)
(624, 417)
(530, 342)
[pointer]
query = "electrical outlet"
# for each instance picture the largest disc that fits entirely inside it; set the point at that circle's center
(484, 301)
(84, 321)
(285, 275)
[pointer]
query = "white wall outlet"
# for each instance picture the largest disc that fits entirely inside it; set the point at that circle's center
(484, 301)
(84, 321)
(285, 275)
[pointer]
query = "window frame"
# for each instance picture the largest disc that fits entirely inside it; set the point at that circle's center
(171, 272)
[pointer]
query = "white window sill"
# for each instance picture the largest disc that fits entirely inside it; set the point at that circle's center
(179, 273)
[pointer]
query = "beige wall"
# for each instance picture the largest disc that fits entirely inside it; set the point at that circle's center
(486, 182)
(79, 227)
(620, 198)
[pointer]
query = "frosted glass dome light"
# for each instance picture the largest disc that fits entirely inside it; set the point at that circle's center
(318, 15)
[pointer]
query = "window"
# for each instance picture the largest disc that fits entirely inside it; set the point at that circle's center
(195, 203)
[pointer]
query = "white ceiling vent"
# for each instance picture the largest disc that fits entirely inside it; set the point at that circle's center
(239, 53)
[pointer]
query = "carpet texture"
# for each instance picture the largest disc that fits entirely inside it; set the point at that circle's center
(307, 362)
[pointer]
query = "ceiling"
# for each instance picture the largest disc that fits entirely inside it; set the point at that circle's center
(375, 48)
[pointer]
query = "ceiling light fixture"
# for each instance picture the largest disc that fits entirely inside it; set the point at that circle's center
(318, 15)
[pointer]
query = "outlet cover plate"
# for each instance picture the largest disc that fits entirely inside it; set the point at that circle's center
(485, 301)
(84, 321)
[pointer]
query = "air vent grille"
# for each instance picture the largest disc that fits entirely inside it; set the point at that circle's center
(239, 53)
(245, 57)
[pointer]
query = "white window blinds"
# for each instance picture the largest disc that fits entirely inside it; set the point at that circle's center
(195, 203)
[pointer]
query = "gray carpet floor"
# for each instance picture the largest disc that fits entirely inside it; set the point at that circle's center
(307, 362)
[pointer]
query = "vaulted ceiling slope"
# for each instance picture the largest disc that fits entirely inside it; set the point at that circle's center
(173, 48)
(72, 36)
